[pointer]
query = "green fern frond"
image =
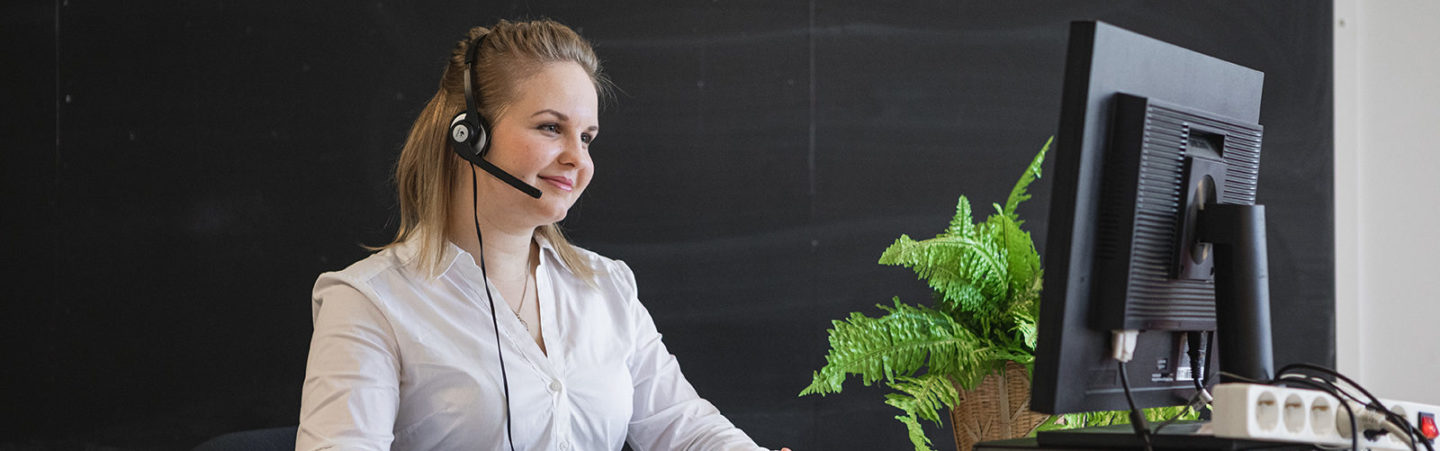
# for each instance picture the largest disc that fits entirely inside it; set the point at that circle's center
(915, 432)
(1022, 262)
(925, 396)
(1114, 417)
(906, 339)
(1028, 299)
(971, 272)
(1018, 194)
(1023, 314)
(1028, 332)
(922, 397)
(963, 224)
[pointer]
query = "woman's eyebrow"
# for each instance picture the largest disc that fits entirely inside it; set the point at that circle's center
(563, 118)
(557, 114)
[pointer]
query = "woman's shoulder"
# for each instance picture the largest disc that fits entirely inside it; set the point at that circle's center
(607, 273)
(363, 275)
(373, 265)
(600, 263)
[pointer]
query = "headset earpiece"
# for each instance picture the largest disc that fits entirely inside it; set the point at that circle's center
(468, 138)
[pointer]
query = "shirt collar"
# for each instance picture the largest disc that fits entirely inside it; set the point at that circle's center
(547, 251)
(452, 253)
(409, 250)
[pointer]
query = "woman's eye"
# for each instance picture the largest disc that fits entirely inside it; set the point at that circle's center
(586, 138)
(552, 128)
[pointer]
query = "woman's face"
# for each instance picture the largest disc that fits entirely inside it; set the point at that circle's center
(543, 139)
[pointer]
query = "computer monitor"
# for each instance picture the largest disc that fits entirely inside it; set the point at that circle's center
(1153, 226)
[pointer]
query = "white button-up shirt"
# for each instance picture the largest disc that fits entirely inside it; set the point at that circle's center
(400, 360)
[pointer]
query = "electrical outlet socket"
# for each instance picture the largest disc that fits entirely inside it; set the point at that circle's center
(1294, 415)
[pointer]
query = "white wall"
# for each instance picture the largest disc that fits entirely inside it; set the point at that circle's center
(1387, 195)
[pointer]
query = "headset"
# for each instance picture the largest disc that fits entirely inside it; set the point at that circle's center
(470, 132)
(470, 138)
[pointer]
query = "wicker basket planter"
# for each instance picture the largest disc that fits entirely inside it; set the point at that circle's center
(998, 408)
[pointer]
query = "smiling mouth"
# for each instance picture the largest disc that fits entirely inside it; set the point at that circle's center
(560, 182)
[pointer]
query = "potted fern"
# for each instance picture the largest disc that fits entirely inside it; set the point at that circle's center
(978, 330)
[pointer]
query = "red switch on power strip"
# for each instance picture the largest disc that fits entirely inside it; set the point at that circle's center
(1427, 425)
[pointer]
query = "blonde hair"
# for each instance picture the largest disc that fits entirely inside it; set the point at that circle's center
(425, 172)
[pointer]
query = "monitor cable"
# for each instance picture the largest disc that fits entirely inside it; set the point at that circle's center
(1198, 350)
(1122, 349)
(1189, 406)
(494, 315)
(1137, 417)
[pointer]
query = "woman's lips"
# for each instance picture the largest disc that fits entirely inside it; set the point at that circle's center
(564, 183)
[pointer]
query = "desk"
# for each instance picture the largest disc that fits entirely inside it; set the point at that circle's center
(1179, 436)
(1030, 443)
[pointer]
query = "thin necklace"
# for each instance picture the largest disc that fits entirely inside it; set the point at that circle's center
(524, 296)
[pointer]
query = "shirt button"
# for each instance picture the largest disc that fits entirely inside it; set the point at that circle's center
(555, 386)
(564, 445)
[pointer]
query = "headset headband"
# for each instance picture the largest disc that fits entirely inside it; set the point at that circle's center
(472, 111)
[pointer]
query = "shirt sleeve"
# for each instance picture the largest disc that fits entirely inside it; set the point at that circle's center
(351, 390)
(667, 413)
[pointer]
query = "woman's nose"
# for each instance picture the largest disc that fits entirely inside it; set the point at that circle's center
(574, 152)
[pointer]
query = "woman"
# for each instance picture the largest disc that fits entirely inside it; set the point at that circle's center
(406, 352)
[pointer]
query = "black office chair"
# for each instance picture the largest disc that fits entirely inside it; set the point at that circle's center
(273, 439)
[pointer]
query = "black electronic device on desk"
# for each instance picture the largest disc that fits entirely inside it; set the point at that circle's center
(1155, 258)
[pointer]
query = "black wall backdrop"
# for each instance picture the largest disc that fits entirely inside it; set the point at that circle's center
(176, 174)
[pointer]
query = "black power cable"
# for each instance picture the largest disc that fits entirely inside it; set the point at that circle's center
(1199, 353)
(1137, 417)
(1189, 406)
(1194, 342)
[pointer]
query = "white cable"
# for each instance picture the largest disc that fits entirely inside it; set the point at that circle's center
(1400, 434)
(1122, 344)
(1206, 397)
(1369, 420)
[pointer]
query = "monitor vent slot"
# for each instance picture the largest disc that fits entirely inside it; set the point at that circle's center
(1154, 300)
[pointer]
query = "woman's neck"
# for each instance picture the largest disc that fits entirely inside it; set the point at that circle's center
(508, 243)
(506, 252)
(507, 248)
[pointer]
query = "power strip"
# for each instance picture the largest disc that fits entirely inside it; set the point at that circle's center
(1295, 415)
